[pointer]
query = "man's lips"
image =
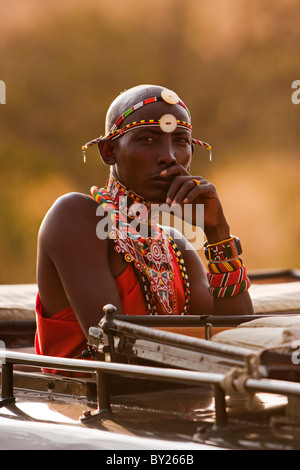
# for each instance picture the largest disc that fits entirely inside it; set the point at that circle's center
(162, 181)
(165, 178)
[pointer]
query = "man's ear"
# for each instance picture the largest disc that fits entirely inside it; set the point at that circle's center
(106, 150)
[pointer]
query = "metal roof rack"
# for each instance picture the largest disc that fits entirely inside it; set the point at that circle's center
(104, 370)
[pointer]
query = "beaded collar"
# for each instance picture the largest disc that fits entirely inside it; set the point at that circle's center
(128, 201)
(150, 255)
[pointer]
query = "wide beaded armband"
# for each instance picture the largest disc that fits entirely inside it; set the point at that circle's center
(224, 250)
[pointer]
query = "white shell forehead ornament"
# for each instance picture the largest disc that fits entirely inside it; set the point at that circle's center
(167, 122)
(169, 96)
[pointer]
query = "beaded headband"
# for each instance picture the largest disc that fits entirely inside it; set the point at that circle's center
(168, 96)
(167, 122)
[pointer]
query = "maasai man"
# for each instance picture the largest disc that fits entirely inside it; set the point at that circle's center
(82, 266)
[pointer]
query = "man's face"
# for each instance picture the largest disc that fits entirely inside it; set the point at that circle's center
(143, 153)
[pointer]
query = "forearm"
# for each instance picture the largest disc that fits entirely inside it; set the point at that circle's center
(237, 305)
(218, 232)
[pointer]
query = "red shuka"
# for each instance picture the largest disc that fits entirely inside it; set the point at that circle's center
(61, 334)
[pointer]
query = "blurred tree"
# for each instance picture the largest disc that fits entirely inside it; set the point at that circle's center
(233, 63)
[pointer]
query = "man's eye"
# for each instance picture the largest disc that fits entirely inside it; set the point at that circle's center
(184, 140)
(147, 139)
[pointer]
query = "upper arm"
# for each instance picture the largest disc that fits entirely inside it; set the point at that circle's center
(68, 238)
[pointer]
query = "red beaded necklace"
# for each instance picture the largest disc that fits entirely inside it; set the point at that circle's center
(150, 255)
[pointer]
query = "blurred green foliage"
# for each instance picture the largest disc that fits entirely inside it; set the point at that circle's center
(233, 64)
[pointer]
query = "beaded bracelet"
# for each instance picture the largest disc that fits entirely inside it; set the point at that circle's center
(227, 279)
(216, 267)
(230, 291)
(224, 250)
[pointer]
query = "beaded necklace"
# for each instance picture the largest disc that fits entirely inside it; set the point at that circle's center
(150, 255)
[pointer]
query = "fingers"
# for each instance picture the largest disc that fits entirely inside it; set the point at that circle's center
(181, 189)
(186, 189)
(202, 189)
(177, 175)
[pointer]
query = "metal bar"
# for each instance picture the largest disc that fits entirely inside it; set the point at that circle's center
(165, 355)
(7, 392)
(194, 320)
(163, 374)
(281, 387)
(220, 406)
(173, 339)
(128, 370)
(103, 393)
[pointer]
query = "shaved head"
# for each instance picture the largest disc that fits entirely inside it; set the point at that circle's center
(127, 99)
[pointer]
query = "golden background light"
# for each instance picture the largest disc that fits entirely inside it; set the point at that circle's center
(233, 64)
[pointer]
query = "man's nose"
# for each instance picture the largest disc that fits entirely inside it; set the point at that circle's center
(167, 152)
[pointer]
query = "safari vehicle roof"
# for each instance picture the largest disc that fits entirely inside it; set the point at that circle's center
(141, 407)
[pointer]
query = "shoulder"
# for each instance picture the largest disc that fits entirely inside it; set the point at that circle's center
(72, 202)
(71, 215)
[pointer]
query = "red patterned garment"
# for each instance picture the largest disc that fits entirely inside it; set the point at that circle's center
(154, 282)
(62, 336)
